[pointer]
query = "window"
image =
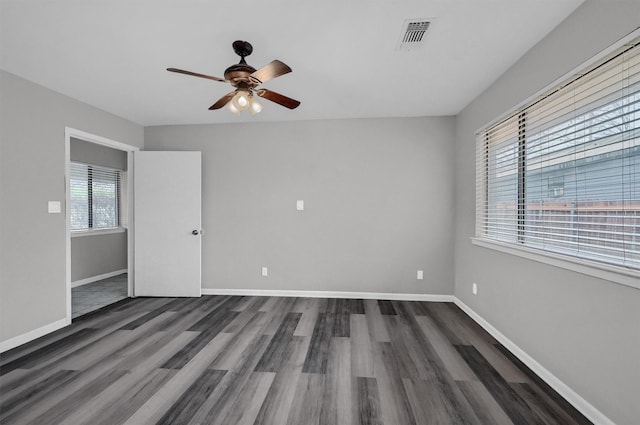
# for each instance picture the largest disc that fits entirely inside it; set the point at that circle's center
(95, 197)
(562, 174)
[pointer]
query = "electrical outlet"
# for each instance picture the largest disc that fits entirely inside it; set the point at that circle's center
(474, 288)
(420, 275)
(265, 272)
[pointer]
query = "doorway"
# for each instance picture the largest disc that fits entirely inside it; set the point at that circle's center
(99, 222)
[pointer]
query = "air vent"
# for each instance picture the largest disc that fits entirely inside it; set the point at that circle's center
(413, 34)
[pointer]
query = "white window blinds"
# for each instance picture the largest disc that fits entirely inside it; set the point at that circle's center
(563, 173)
(95, 197)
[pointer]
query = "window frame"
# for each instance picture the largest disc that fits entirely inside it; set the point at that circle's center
(615, 273)
(93, 231)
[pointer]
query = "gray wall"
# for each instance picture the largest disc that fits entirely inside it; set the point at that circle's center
(585, 330)
(98, 254)
(32, 168)
(378, 199)
(92, 153)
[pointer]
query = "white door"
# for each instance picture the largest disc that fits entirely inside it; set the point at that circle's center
(167, 207)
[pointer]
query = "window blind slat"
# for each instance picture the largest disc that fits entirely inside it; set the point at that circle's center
(578, 167)
(95, 197)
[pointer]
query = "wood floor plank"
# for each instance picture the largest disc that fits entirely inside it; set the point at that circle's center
(39, 343)
(110, 361)
(135, 385)
(47, 352)
(279, 312)
(250, 309)
(377, 328)
(446, 392)
(190, 401)
(307, 402)
(309, 307)
(150, 315)
(337, 396)
(386, 307)
(368, 402)
(151, 411)
(362, 364)
(544, 407)
(127, 403)
(272, 357)
(219, 312)
(220, 360)
(271, 303)
(233, 355)
(341, 325)
(119, 343)
(217, 323)
(512, 404)
(57, 413)
(33, 394)
(543, 389)
(216, 409)
(391, 386)
(483, 404)
(450, 357)
(318, 354)
(277, 404)
(404, 350)
(246, 406)
(57, 354)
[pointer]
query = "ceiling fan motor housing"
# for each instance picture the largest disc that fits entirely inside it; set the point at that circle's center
(239, 73)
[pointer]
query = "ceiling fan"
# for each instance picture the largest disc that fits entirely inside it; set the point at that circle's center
(246, 79)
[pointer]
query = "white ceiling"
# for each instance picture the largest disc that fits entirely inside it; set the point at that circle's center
(113, 54)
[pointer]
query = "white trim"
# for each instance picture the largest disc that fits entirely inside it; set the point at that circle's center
(96, 232)
(67, 221)
(130, 225)
(582, 405)
(70, 132)
(88, 137)
(96, 278)
(329, 294)
(619, 275)
(34, 334)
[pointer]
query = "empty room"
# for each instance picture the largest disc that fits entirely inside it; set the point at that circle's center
(310, 213)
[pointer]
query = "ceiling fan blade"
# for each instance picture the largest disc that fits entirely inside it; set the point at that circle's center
(195, 74)
(222, 101)
(278, 98)
(270, 71)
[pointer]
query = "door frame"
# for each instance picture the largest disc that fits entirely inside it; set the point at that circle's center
(129, 149)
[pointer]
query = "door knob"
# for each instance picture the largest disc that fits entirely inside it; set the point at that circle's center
(195, 233)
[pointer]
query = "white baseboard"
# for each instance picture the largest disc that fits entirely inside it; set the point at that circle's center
(582, 405)
(329, 294)
(97, 278)
(31, 335)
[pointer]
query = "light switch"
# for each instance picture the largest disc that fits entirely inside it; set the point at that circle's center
(54, 207)
(420, 275)
(300, 205)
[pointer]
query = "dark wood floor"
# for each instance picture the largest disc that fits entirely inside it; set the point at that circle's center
(285, 361)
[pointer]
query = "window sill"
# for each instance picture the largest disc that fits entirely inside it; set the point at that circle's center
(83, 233)
(619, 275)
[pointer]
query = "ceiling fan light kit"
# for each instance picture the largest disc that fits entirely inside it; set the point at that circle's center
(245, 79)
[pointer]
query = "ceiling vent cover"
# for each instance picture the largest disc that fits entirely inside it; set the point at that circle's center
(413, 34)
